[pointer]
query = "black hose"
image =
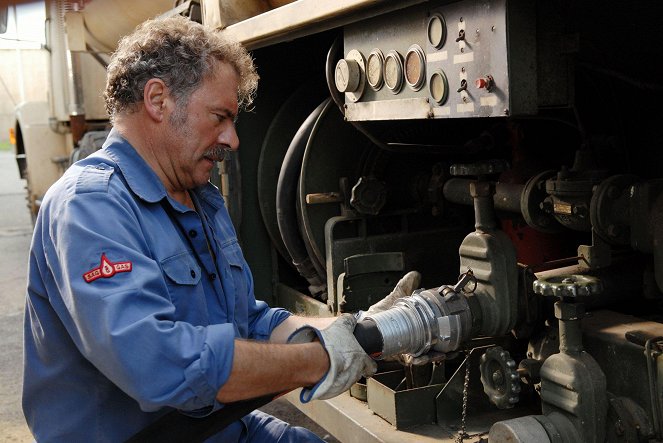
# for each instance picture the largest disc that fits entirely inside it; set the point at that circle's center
(369, 337)
(286, 202)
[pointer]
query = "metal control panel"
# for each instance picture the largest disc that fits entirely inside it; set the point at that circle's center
(471, 58)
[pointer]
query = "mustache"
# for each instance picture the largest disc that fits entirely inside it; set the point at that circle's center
(217, 153)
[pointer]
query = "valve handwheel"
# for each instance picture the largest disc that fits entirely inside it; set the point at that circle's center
(499, 377)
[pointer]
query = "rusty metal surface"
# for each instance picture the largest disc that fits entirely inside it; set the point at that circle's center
(351, 421)
(299, 303)
(305, 17)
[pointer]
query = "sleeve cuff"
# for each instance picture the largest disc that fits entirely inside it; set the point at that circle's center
(207, 374)
(272, 317)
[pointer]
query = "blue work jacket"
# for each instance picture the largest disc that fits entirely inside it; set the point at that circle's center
(133, 303)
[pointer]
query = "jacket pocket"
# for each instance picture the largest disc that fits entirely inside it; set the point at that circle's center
(182, 275)
(181, 269)
(233, 253)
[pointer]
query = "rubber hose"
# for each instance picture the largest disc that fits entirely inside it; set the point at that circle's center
(286, 191)
(369, 337)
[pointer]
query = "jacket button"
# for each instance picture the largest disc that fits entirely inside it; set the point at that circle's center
(212, 276)
(193, 274)
(193, 233)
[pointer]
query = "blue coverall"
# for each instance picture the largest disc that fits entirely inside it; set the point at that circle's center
(133, 305)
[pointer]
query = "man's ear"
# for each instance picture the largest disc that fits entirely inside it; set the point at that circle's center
(154, 98)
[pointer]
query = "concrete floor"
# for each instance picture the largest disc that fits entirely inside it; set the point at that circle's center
(15, 235)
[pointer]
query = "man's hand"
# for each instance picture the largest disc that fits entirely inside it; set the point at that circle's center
(404, 288)
(347, 360)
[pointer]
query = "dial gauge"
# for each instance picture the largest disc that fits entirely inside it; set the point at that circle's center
(374, 65)
(350, 76)
(347, 75)
(393, 71)
(438, 86)
(415, 67)
(437, 30)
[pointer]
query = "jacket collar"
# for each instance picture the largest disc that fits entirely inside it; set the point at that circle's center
(141, 178)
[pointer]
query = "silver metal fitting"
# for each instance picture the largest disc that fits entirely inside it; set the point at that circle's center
(424, 321)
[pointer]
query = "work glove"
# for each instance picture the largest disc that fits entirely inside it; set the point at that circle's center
(404, 288)
(348, 362)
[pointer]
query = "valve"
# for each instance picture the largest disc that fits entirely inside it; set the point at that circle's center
(499, 377)
(568, 286)
(369, 195)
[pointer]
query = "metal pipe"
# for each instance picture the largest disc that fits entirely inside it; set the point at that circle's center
(506, 198)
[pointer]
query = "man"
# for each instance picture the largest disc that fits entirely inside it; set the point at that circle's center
(139, 298)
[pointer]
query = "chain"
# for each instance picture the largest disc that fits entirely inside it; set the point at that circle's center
(466, 385)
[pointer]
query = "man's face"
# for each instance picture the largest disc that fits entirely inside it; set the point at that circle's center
(200, 132)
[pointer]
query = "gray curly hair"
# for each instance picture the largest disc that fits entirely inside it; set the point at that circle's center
(181, 53)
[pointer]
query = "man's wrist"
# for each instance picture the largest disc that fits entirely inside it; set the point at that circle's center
(318, 357)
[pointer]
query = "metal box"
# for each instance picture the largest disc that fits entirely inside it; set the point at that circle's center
(402, 408)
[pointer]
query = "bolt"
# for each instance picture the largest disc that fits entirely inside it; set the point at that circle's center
(477, 31)
(462, 69)
(492, 28)
(506, 111)
(461, 19)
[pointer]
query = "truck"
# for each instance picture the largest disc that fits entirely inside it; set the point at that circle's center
(507, 150)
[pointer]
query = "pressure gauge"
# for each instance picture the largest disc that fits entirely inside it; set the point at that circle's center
(349, 75)
(393, 71)
(438, 86)
(374, 65)
(437, 30)
(415, 67)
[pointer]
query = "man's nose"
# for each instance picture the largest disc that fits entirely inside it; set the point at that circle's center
(229, 137)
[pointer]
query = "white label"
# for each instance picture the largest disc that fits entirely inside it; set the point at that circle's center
(489, 100)
(442, 111)
(464, 107)
(463, 58)
(437, 56)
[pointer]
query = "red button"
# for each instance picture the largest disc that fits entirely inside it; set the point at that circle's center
(481, 83)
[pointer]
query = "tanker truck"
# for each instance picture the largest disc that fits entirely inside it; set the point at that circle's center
(507, 150)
